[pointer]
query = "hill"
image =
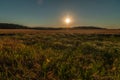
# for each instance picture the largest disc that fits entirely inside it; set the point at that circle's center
(12, 26)
(17, 26)
(87, 27)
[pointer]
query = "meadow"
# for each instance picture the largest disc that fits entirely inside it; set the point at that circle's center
(59, 55)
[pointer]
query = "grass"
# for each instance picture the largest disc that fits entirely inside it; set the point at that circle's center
(60, 56)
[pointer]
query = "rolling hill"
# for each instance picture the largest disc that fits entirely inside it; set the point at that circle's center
(12, 26)
(17, 26)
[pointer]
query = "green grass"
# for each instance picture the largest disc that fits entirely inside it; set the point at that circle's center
(59, 57)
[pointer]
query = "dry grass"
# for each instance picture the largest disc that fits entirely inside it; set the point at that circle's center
(82, 31)
(59, 55)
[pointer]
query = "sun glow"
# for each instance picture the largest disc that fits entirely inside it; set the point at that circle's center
(67, 20)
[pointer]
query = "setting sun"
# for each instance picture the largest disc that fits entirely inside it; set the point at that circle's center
(67, 20)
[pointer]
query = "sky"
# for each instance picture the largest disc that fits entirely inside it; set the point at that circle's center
(51, 13)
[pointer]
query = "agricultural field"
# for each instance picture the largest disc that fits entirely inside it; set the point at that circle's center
(60, 55)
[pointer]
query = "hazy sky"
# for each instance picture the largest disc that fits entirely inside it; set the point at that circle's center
(105, 13)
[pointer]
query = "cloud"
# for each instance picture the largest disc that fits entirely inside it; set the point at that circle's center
(40, 2)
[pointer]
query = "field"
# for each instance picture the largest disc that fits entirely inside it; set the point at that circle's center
(60, 54)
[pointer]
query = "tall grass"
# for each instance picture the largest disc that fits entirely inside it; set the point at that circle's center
(59, 57)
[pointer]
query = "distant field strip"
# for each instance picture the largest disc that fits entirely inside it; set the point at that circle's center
(82, 31)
